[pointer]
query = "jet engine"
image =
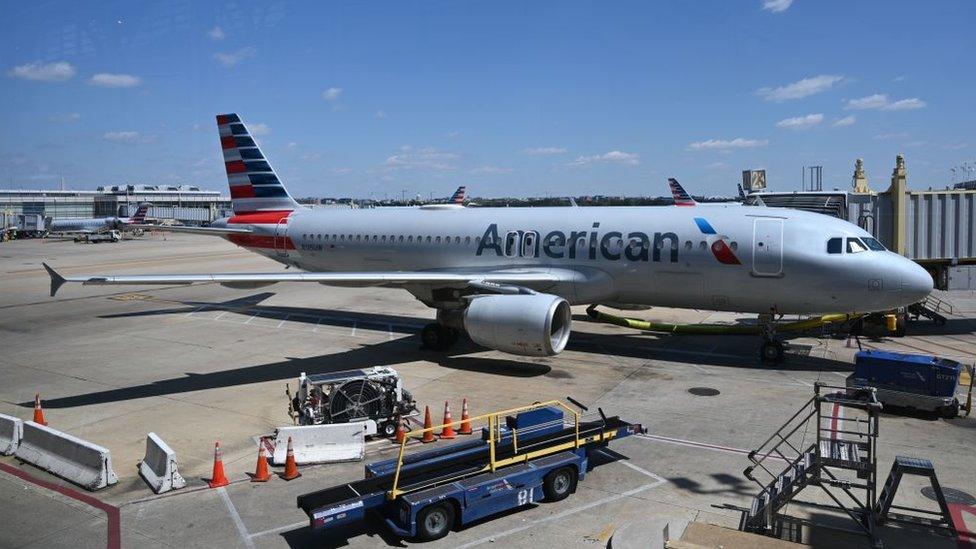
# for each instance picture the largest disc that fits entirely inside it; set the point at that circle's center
(526, 324)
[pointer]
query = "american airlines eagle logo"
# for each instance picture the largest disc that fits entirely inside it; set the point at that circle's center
(716, 243)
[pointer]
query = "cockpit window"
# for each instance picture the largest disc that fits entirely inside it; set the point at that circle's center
(873, 244)
(855, 246)
(835, 246)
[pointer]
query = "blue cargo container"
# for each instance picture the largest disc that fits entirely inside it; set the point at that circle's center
(921, 382)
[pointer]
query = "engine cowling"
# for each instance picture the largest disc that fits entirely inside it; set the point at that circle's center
(528, 325)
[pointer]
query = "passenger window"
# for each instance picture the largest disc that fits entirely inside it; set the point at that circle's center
(529, 244)
(835, 246)
(702, 245)
(688, 244)
(734, 245)
(467, 240)
(511, 244)
(855, 246)
(437, 240)
(874, 244)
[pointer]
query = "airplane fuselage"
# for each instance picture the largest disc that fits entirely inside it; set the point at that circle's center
(718, 257)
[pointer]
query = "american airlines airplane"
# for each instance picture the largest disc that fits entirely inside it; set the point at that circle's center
(98, 224)
(507, 276)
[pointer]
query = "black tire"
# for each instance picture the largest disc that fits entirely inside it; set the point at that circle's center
(950, 411)
(559, 484)
(771, 352)
(437, 337)
(388, 429)
(435, 521)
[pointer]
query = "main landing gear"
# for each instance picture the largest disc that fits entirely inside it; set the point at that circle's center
(438, 337)
(771, 351)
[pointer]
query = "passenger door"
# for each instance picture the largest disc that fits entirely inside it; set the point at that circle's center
(767, 247)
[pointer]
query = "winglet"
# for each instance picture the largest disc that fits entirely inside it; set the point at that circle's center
(681, 197)
(56, 280)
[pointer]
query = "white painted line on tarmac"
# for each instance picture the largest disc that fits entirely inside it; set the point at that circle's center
(278, 530)
(248, 321)
(282, 323)
(241, 529)
(189, 314)
(389, 330)
(573, 511)
(353, 332)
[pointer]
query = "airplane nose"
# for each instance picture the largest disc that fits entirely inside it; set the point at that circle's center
(916, 282)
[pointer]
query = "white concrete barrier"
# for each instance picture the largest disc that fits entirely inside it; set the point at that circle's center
(158, 468)
(11, 431)
(329, 443)
(79, 461)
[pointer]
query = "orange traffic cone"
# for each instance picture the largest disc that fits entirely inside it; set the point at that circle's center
(465, 428)
(429, 433)
(291, 468)
(218, 478)
(400, 434)
(448, 431)
(38, 412)
(261, 469)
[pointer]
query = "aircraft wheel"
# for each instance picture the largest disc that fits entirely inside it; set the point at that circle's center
(771, 351)
(437, 337)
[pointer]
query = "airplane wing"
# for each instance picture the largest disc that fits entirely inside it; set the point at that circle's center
(525, 278)
(212, 231)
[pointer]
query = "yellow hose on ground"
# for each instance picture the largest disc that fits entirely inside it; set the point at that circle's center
(716, 329)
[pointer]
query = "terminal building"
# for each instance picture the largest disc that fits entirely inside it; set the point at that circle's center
(184, 204)
(935, 227)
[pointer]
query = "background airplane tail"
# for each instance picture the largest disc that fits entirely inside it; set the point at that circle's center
(254, 186)
(458, 196)
(681, 197)
(139, 218)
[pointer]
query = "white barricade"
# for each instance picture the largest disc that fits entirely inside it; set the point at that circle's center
(328, 443)
(11, 431)
(87, 465)
(158, 468)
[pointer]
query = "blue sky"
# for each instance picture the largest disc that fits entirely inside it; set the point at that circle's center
(372, 99)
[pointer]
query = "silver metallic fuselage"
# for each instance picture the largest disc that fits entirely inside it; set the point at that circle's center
(783, 264)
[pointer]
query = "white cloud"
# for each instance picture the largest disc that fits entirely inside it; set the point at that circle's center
(891, 136)
(905, 105)
(332, 94)
(955, 146)
(258, 129)
(232, 58)
(881, 101)
(216, 33)
(800, 88)
(490, 170)
(727, 144)
(380, 115)
(291, 145)
(543, 151)
(122, 136)
(421, 159)
(612, 157)
(70, 117)
(801, 122)
(108, 80)
(777, 6)
(846, 121)
(58, 71)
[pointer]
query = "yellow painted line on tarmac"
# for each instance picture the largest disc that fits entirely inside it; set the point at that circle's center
(965, 378)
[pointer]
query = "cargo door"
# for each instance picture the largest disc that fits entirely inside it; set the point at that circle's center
(767, 247)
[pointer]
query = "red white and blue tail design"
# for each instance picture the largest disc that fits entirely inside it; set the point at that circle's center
(254, 186)
(139, 218)
(681, 197)
(458, 196)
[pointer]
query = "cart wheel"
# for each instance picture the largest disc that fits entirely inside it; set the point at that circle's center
(435, 521)
(559, 484)
(389, 429)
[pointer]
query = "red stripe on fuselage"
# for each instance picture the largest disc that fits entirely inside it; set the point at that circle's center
(271, 217)
(262, 241)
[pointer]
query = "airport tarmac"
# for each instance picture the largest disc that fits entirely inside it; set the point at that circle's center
(205, 363)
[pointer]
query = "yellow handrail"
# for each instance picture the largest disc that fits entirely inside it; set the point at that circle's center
(493, 427)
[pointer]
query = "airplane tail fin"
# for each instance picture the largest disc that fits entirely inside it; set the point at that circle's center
(681, 197)
(458, 196)
(254, 186)
(139, 218)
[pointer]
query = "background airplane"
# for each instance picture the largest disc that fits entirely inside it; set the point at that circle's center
(99, 224)
(507, 276)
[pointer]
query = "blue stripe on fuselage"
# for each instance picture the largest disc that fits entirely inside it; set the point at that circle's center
(704, 226)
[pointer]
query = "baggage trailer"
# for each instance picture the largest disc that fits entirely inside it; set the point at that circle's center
(919, 382)
(523, 456)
